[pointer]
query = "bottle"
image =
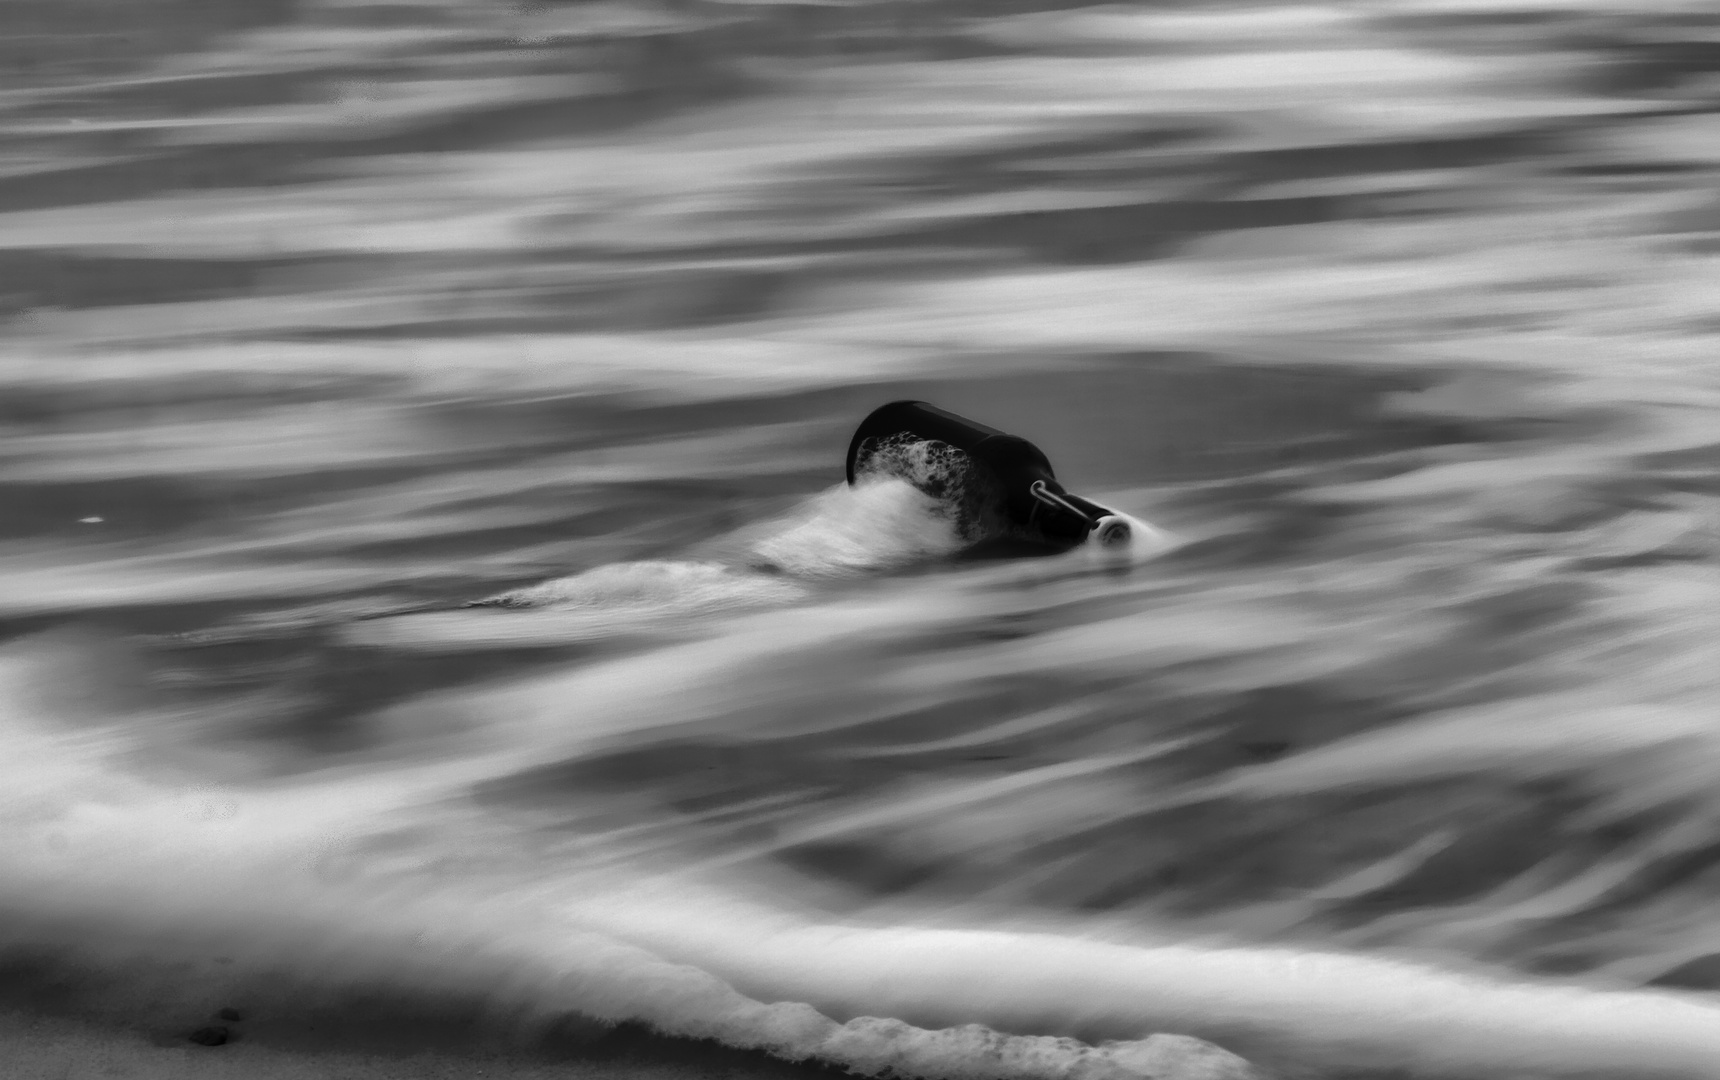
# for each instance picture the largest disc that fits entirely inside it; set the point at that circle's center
(1021, 488)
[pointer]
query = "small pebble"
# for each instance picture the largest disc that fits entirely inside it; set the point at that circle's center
(209, 1036)
(229, 1014)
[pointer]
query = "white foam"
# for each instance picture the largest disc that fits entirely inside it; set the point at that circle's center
(878, 524)
(883, 523)
(654, 587)
(1316, 1008)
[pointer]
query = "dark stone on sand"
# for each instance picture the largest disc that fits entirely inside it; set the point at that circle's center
(229, 1014)
(209, 1036)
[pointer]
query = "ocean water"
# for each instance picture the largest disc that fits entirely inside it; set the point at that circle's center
(431, 609)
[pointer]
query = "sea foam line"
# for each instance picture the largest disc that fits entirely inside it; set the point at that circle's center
(1310, 1008)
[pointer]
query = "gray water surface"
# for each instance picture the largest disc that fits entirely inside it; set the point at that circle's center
(1394, 755)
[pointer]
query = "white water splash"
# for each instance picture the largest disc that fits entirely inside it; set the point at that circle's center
(654, 588)
(880, 524)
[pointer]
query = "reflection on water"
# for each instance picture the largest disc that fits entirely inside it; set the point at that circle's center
(431, 590)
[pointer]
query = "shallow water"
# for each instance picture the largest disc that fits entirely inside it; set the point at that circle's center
(1389, 749)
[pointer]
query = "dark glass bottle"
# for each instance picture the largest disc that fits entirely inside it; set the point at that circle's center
(1024, 489)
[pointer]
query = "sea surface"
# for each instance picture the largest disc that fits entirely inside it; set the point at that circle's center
(434, 623)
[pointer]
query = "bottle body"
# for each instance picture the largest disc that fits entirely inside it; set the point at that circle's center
(1004, 477)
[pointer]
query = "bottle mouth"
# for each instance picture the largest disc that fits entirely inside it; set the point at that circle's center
(1112, 531)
